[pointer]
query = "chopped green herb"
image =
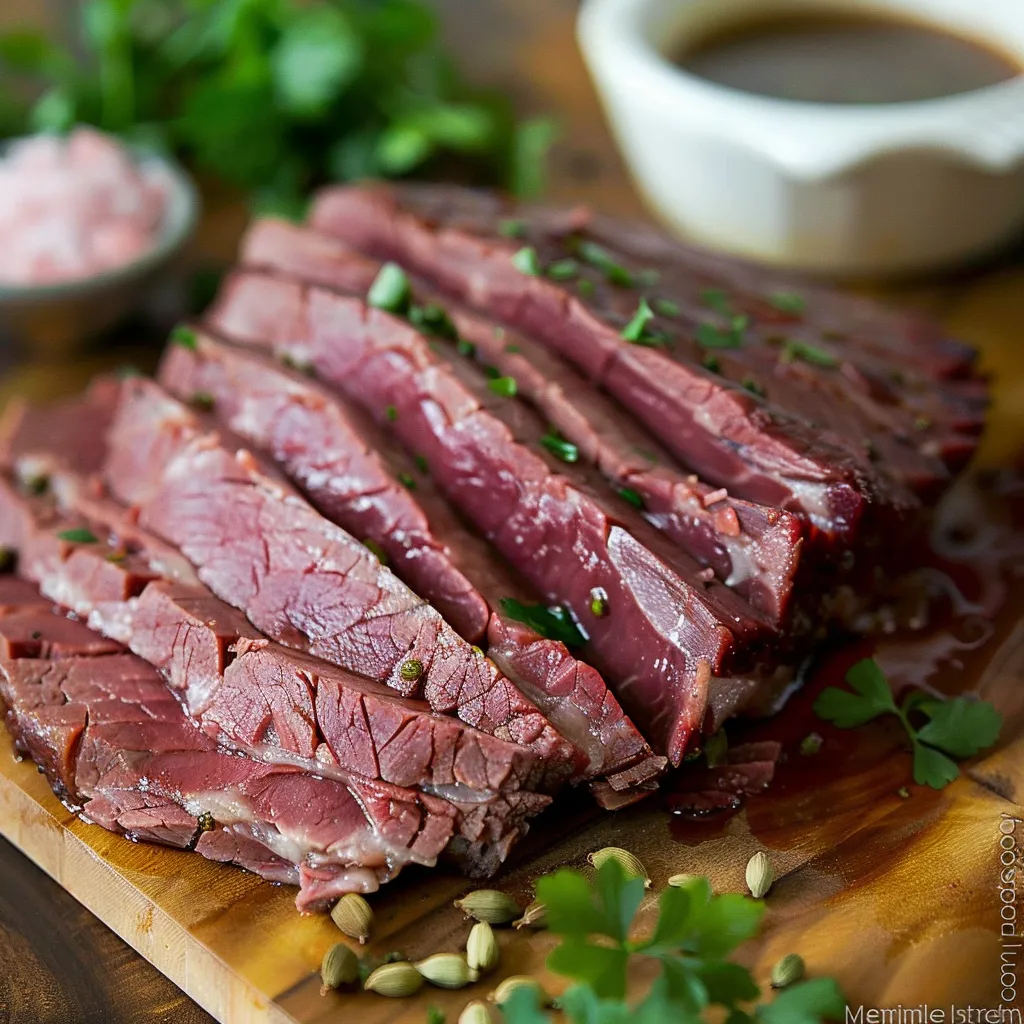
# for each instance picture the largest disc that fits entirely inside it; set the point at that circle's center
(903, 793)
(739, 323)
(635, 330)
(433, 319)
(512, 348)
(465, 348)
(512, 228)
(117, 556)
(491, 372)
(599, 602)
(717, 299)
(378, 551)
(78, 535)
(709, 336)
(563, 270)
(390, 290)
(959, 726)
(665, 307)
(36, 634)
(711, 363)
(752, 385)
(391, 413)
(411, 670)
(554, 623)
(586, 289)
(633, 497)
(788, 302)
(793, 350)
(599, 257)
(202, 400)
(421, 464)
(435, 1015)
(560, 448)
(527, 262)
(184, 336)
(503, 386)
(407, 480)
(647, 278)
(811, 744)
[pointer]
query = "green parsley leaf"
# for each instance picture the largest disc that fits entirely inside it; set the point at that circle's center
(602, 968)
(532, 139)
(793, 350)
(664, 307)
(709, 336)
(932, 768)
(78, 535)
(391, 413)
(563, 270)
(511, 228)
(751, 384)
(504, 386)
(961, 726)
(407, 480)
(421, 464)
(711, 363)
(635, 498)
(560, 448)
(586, 289)
(599, 257)
(788, 302)
(434, 1015)
(526, 261)
(807, 1002)
(390, 290)
(552, 623)
(523, 1007)
(465, 348)
(433, 319)
(717, 299)
(636, 329)
(184, 336)
(872, 698)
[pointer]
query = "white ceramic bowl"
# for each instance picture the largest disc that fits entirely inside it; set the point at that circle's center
(836, 189)
(54, 319)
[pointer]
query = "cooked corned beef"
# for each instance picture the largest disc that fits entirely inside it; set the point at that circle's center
(322, 441)
(753, 548)
(299, 578)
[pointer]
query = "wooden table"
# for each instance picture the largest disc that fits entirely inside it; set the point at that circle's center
(59, 964)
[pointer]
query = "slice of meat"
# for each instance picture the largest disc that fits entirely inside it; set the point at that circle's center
(301, 580)
(751, 547)
(260, 698)
(116, 745)
(724, 432)
(568, 544)
(346, 465)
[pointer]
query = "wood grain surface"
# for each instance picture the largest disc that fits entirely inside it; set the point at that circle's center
(896, 897)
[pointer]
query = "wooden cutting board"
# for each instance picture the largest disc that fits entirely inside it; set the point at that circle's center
(897, 898)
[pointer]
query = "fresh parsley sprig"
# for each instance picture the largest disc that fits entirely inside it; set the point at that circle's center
(691, 942)
(959, 727)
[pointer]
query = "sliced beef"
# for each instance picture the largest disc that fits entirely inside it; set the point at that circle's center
(35, 632)
(116, 745)
(347, 465)
(256, 696)
(722, 431)
(299, 578)
(753, 548)
(658, 638)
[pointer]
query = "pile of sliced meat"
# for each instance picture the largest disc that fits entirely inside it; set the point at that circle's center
(445, 506)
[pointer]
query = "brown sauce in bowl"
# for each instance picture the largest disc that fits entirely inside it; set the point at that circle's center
(846, 58)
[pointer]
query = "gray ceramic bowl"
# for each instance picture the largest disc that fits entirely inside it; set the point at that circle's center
(55, 319)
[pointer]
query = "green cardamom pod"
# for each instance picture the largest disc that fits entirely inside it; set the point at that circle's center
(475, 1013)
(502, 993)
(340, 967)
(631, 866)
(534, 916)
(482, 952)
(396, 980)
(354, 916)
(489, 905)
(788, 970)
(447, 970)
(760, 874)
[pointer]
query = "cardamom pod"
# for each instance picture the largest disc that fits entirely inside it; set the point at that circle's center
(340, 967)
(760, 874)
(447, 970)
(788, 970)
(681, 881)
(502, 993)
(354, 916)
(489, 905)
(631, 866)
(475, 1013)
(482, 952)
(534, 916)
(396, 980)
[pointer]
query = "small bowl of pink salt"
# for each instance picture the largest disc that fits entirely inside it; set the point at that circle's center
(90, 230)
